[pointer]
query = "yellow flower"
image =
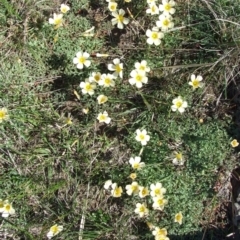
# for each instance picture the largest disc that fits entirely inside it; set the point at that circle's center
(102, 99)
(6, 208)
(196, 81)
(54, 230)
(234, 143)
(56, 20)
(116, 191)
(141, 210)
(178, 218)
(143, 192)
(133, 176)
(132, 188)
(3, 114)
(64, 8)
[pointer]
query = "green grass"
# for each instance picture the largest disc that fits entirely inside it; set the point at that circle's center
(54, 173)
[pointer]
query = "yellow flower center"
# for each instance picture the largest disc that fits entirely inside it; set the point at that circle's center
(68, 121)
(97, 78)
(154, 35)
(144, 191)
(142, 68)
(2, 114)
(64, 10)
(142, 137)
(179, 156)
(57, 21)
(81, 60)
(178, 218)
(160, 201)
(88, 87)
(166, 22)
(195, 83)
(139, 79)
(102, 117)
(55, 229)
(120, 18)
(157, 191)
(179, 104)
(142, 209)
(118, 191)
(153, 8)
(8, 207)
(107, 81)
(118, 68)
(167, 7)
(136, 165)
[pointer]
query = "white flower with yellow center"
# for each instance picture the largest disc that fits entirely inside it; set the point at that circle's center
(143, 192)
(107, 80)
(3, 114)
(54, 230)
(154, 36)
(81, 60)
(161, 238)
(116, 190)
(141, 210)
(142, 66)
(234, 143)
(103, 117)
(142, 136)
(136, 163)
(64, 8)
(179, 105)
(132, 188)
(159, 202)
(108, 184)
(117, 67)
(157, 190)
(153, 9)
(57, 20)
(165, 22)
(178, 159)
(196, 81)
(95, 77)
(138, 78)
(6, 209)
(167, 7)
(159, 232)
(112, 6)
(87, 87)
(119, 19)
(178, 218)
(102, 99)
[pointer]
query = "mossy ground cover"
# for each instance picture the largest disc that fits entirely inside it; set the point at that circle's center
(54, 172)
